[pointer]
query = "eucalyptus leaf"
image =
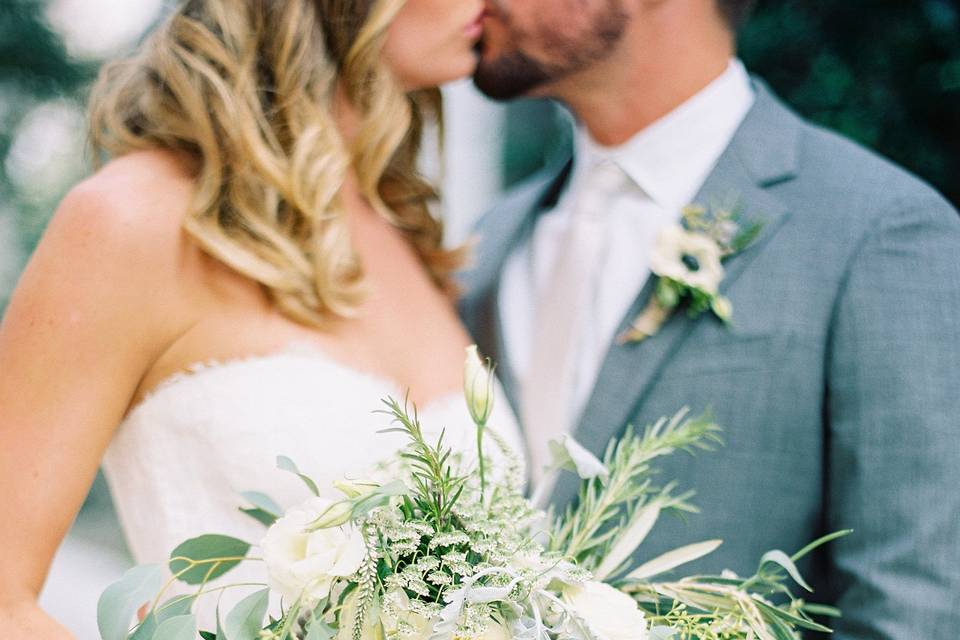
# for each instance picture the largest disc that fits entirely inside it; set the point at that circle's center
(207, 550)
(662, 633)
(286, 464)
(177, 628)
(673, 559)
(262, 501)
(221, 634)
(783, 560)
(245, 620)
(120, 601)
(263, 517)
(319, 630)
(176, 606)
(379, 497)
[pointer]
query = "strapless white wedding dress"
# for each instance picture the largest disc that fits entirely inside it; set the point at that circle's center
(181, 458)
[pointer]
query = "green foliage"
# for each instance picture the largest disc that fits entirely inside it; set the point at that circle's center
(588, 529)
(176, 606)
(727, 607)
(121, 600)
(204, 558)
(245, 620)
(438, 486)
(286, 464)
(177, 628)
(885, 73)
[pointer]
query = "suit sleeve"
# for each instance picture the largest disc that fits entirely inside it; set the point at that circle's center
(894, 430)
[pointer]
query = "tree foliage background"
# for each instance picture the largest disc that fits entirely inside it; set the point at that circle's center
(35, 69)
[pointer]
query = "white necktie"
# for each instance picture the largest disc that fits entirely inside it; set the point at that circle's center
(563, 306)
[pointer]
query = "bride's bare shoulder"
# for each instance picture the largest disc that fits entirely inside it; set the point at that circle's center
(124, 225)
(146, 192)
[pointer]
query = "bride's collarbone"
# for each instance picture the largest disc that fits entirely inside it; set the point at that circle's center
(417, 349)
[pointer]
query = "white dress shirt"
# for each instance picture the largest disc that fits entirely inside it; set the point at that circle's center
(667, 164)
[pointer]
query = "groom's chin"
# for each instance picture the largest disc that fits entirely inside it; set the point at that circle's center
(508, 76)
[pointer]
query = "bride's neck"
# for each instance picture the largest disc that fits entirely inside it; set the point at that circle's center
(345, 114)
(347, 119)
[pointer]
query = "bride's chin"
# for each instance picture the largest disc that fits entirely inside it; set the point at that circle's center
(463, 68)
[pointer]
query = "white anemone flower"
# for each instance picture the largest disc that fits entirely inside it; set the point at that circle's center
(690, 258)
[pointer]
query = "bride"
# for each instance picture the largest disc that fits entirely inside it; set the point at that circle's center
(251, 272)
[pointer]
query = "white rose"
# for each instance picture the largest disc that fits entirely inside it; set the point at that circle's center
(303, 562)
(610, 613)
(690, 258)
(496, 631)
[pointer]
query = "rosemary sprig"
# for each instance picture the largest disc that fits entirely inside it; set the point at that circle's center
(437, 485)
(586, 529)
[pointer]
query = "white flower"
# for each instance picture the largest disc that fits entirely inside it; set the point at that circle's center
(496, 631)
(722, 307)
(689, 258)
(610, 613)
(403, 622)
(304, 562)
(569, 454)
(355, 488)
(477, 386)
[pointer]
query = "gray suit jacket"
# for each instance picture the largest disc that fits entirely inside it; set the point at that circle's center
(836, 384)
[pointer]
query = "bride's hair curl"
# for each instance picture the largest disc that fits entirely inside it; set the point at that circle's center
(246, 87)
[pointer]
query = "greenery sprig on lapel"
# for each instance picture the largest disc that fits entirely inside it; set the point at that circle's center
(687, 262)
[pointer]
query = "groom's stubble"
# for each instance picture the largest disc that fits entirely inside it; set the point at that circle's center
(554, 47)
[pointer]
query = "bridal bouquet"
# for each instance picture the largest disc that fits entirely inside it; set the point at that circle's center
(439, 549)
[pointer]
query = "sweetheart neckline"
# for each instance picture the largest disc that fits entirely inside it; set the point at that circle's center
(295, 349)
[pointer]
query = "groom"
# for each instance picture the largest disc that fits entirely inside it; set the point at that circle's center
(837, 379)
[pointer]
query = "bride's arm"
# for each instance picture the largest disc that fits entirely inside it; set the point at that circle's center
(94, 308)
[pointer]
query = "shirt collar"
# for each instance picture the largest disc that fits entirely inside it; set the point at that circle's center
(670, 159)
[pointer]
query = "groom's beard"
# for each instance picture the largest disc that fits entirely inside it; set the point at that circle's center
(516, 72)
(510, 76)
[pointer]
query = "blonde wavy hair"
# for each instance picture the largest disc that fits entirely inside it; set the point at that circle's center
(246, 87)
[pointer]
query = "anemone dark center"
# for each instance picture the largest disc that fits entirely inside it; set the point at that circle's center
(690, 262)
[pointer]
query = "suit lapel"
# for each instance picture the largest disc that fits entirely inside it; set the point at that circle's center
(741, 177)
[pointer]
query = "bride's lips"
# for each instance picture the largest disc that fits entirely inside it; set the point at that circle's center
(475, 29)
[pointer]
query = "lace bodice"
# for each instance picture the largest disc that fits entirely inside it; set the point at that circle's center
(180, 459)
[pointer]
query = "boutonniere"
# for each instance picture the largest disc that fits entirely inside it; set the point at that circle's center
(687, 262)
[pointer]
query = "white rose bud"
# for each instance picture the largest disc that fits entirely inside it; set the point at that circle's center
(355, 488)
(477, 386)
(610, 613)
(303, 562)
(722, 307)
(337, 514)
